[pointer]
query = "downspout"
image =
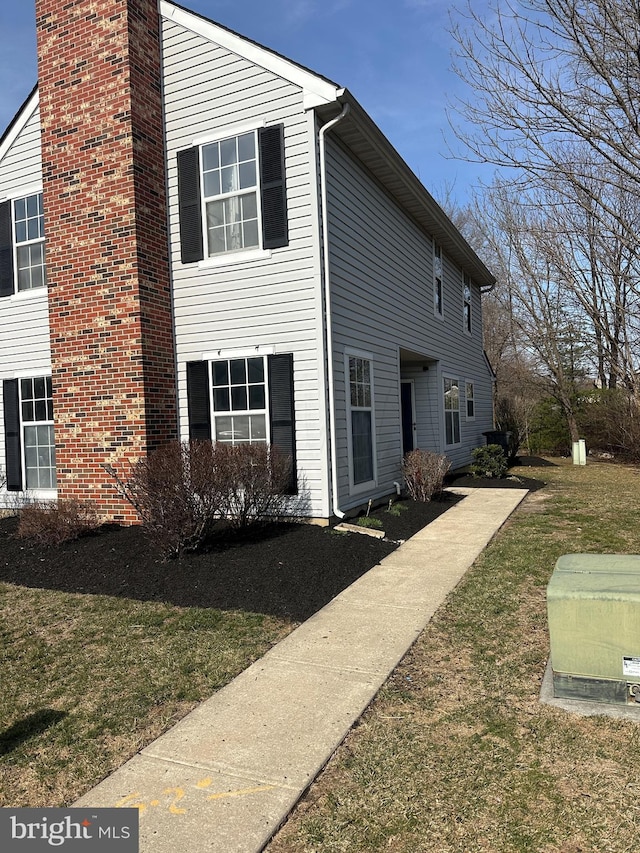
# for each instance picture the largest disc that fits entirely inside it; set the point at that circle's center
(327, 309)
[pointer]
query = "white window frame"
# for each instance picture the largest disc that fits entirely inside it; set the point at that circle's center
(232, 254)
(45, 491)
(467, 315)
(355, 488)
(438, 280)
(248, 412)
(470, 398)
(454, 413)
(40, 240)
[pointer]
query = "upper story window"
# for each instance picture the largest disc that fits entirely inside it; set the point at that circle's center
(466, 302)
(22, 255)
(437, 279)
(232, 195)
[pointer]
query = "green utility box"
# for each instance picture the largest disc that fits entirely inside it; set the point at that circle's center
(593, 604)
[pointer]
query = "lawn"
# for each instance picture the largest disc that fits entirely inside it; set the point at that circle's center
(103, 646)
(456, 753)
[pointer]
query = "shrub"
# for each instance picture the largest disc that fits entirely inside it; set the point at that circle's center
(254, 480)
(424, 473)
(184, 490)
(55, 522)
(489, 461)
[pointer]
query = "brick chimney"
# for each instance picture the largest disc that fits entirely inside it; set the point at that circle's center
(107, 253)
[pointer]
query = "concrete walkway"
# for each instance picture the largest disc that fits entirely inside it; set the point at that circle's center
(227, 775)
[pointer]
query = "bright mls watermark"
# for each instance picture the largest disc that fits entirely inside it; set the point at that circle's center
(79, 830)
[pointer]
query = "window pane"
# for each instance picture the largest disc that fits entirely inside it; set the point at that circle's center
(216, 241)
(224, 431)
(211, 183)
(21, 231)
(210, 156)
(20, 208)
(362, 447)
(247, 175)
(27, 411)
(26, 389)
(228, 152)
(256, 397)
(33, 229)
(241, 428)
(258, 428)
(239, 398)
(220, 372)
(229, 180)
(221, 399)
(250, 233)
(215, 213)
(32, 205)
(41, 410)
(39, 386)
(238, 371)
(255, 367)
(249, 206)
(246, 146)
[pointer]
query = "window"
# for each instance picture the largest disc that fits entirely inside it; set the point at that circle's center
(471, 404)
(232, 195)
(361, 419)
(230, 181)
(30, 455)
(466, 302)
(36, 401)
(451, 411)
(437, 279)
(239, 401)
(22, 264)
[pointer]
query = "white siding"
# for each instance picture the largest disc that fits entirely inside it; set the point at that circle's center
(274, 301)
(24, 318)
(382, 298)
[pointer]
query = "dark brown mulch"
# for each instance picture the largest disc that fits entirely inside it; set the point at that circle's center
(286, 570)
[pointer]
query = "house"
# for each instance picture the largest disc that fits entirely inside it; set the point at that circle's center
(201, 238)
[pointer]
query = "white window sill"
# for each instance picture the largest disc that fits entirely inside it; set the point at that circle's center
(32, 293)
(234, 258)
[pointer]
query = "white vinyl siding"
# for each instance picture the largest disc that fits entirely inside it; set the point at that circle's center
(239, 301)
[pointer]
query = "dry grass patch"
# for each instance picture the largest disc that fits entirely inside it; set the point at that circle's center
(456, 753)
(88, 680)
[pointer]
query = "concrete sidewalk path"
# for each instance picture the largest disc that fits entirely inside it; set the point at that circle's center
(226, 776)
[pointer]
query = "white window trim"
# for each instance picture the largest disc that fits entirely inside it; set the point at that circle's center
(455, 379)
(437, 247)
(357, 488)
(469, 417)
(234, 256)
(16, 291)
(466, 281)
(267, 414)
(45, 494)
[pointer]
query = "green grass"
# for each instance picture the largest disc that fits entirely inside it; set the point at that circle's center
(89, 680)
(456, 753)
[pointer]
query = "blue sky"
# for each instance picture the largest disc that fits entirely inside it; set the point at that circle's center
(393, 55)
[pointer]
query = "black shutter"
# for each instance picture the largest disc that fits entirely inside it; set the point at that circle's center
(6, 250)
(272, 187)
(12, 447)
(198, 400)
(281, 411)
(191, 244)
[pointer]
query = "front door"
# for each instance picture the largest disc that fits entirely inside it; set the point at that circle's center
(407, 404)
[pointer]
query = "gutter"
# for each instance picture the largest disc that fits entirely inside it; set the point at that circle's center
(327, 309)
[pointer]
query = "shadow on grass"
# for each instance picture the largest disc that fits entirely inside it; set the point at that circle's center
(28, 727)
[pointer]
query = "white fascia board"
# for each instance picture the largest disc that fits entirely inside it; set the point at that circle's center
(316, 90)
(20, 121)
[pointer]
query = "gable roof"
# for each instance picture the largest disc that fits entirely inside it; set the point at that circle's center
(357, 131)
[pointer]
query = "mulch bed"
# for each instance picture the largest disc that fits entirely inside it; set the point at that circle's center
(286, 570)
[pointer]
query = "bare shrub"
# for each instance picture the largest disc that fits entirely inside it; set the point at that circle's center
(256, 477)
(184, 490)
(55, 522)
(175, 494)
(424, 473)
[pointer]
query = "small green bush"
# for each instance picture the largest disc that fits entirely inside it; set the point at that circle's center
(489, 461)
(58, 521)
(370, 522)
(424, 473)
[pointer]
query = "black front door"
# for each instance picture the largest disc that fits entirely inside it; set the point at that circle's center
(406, 402)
